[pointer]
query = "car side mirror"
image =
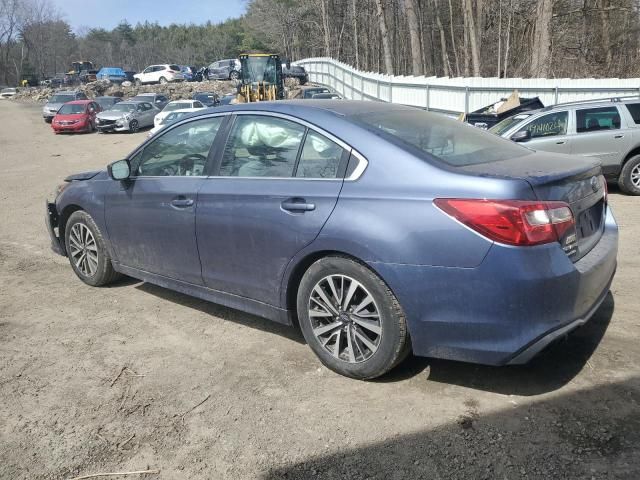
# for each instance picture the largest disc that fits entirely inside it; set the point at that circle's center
(120, 170)
(521, 136)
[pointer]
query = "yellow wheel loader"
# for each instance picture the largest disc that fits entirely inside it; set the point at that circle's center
(260, 78)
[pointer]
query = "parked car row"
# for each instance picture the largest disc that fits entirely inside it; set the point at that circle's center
(71, 111)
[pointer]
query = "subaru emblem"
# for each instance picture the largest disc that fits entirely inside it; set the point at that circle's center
(594, 183)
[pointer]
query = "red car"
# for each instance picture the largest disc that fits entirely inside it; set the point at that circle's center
(76, 116)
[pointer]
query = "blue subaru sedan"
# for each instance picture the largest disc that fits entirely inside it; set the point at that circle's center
(378, 229)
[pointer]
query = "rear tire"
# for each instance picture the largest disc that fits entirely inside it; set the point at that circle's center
(361, 331)
(234, 75)
(87, 252)
(629, 179)
(163, 80)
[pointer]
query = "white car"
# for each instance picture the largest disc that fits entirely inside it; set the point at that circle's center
(170, 118)
(159, 74)
(8, 92)
(177, 105)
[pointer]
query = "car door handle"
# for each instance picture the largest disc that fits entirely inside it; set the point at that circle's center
(618, 136)
(561, 142)
(182, 202)
(297, 205)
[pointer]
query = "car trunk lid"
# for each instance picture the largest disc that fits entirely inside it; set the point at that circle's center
(578, 181)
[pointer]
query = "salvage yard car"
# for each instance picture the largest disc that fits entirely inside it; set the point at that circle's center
(159, 100)
(380, 228)
(177, 105)
(76, 116)
(170, 118)
(8, 92)
(159, 74)
(126, 116)
(608, 130)
(57, 100)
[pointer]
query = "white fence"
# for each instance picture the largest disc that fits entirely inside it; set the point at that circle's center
(457, 95)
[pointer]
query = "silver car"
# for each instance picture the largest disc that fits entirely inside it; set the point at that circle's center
(57, 100)
(606, 129)
(127, 116)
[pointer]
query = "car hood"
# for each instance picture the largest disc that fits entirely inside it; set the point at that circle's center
(71, 116)
(108, 115)
(83, 176)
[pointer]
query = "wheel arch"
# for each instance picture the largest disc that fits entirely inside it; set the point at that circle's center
(296, 270)
(62, 222)
(630, 155)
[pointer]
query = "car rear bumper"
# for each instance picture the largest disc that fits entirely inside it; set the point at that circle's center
(510, 307)
(51, 220)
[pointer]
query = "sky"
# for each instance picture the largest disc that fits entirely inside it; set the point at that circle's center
(108, 13)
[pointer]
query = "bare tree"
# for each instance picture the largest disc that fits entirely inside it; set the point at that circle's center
(384, 34)
(541, 48)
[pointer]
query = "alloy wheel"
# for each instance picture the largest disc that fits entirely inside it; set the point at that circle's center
(635, 176)
(83, 249)
(345, 318)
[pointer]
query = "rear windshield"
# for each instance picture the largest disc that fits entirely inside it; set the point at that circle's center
(61, 99)
(175, 68)
(455, 143)
(501, 127)
(70, 109)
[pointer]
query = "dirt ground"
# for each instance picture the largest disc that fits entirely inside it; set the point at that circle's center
(264, 407)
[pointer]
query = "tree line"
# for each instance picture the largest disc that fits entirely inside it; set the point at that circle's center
(506, 38)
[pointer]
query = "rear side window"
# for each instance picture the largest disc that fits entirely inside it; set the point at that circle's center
(634, 110)
(594, 119)
(320, 157)
(450, 141)
(261, 146)
(548, 125)
(175, 68)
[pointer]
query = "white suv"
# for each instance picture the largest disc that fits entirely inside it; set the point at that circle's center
(159, 74)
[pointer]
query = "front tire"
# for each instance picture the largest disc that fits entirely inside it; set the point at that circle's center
(87, 252)
(234, 75)
(351, 319)
(138, 82)
(134, 126)
(629, 180)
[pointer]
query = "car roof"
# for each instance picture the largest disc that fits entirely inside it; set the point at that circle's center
(337, 107)
(106, 96)
(133, 102)
(79, 102)
(146, 94)
(182, 100)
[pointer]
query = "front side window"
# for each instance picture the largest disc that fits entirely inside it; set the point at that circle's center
(548, 125)
(261, 146)
(182, 151)
(320, 157)
(594, 119)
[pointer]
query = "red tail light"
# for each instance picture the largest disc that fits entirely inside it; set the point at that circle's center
(514, 222)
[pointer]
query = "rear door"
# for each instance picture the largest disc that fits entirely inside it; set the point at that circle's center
(549, 132)
(600, 134)
(151, 217)
(276, 185)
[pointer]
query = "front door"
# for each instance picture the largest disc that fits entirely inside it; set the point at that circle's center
(549, 133)
(277, 184)
(151, 217)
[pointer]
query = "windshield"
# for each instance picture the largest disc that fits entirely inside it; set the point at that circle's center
(172, 117)
(143, 98)
(177, 106)
(123, 107)
(70, 109)
(455, 143)
(501, 127)
(105, 102)
(61, 98)
(259, 69)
